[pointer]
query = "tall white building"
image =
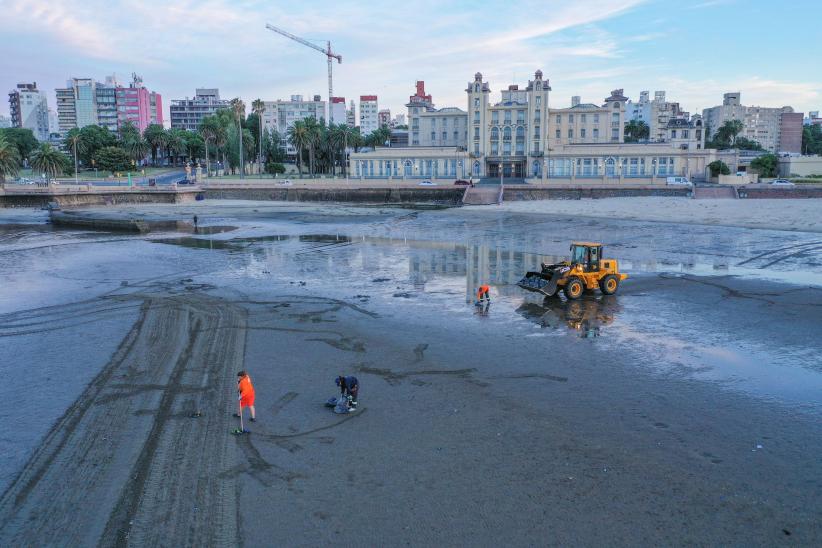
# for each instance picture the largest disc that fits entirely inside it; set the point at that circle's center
(338, 115)
(351, 115)
(776, 129)
(76, 104)
(188, 113)
(29, 109)
(369, 114)
(659, 114)
(280, 115)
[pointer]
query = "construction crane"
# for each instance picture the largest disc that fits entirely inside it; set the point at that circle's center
(327, 52)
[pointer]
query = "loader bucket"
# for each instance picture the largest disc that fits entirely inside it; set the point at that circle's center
(540, 283)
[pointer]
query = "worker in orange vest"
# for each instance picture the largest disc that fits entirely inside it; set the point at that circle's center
(246, 393)
(484, 292)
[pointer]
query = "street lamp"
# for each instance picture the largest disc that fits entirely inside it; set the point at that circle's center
(500, 173)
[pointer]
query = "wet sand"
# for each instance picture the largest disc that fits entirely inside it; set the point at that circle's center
(684, 410)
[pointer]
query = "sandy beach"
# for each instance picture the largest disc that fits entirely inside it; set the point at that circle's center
(683, 410)
(783, 214)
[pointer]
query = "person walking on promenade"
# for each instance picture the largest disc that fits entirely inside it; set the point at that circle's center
(245, 391)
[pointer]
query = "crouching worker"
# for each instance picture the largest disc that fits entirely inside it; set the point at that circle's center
(349, 386)
(484, 292)
(246, 393)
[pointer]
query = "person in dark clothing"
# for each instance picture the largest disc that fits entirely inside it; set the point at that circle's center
(195, 223)
(349, 386)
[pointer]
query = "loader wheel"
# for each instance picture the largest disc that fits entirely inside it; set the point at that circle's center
(609, 284)
(573, 289)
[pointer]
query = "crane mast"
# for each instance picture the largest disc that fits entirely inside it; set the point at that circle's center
(330, 56)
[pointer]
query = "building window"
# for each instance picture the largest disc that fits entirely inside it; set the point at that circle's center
(476, 134)
(495, 117)
(596, 118)
(520, 116)
(476, 170)
(476, 102)
(476, 149)
(615, 117)
(596, 133)
(559, 119)
(570, 118)
(445, 122)
(433, 123)
(433, 136)
(444, 136)
(673, 134)
(559, 134)
(582, 118)
(570, 133)
(507, 116)
(615, 134)
(538, 100)
(582, 133)
(457, 136)
(476, 116)
(684, 133)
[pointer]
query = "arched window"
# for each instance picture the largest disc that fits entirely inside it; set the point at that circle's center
(494, 134)
(536, 168)
(520, 133)
(610, 167)
(407, 168)
(506, 134)
(476, 169)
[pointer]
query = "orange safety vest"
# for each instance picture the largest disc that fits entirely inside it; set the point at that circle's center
(246, 390)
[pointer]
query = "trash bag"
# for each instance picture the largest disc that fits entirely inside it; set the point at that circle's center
(343, 405)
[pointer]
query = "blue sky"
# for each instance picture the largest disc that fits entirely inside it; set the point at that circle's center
(695, 50)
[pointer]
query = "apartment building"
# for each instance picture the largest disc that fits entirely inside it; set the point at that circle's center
(5, 121)
(431, 127)
(338, 114)
(28, 108)
(138, 105)
(369, 114)
(765, 125)
(351, 115)
(86, 102)
(280, 115)
(188, 113)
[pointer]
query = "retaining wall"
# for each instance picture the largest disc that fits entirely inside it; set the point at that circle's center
(528, 192)
(398, 195)
(97, 198)
(775, 192)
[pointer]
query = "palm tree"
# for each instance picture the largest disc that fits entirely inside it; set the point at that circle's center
(9, 158)
(137, 147)
(298, 136)
(314, 136)
(238, 107)
(48, 160)
(155, 135)
(209, 128)
(258, 106)
(75, 141)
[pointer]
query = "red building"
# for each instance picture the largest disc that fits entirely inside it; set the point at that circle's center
(138, 105)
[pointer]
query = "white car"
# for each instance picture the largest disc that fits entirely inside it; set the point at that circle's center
(285, 182)
(782, 182)
(427, 183)
(678, 181)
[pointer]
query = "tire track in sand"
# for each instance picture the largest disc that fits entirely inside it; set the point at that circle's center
(130, 467)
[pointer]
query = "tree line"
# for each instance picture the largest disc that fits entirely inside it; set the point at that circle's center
(228, 139)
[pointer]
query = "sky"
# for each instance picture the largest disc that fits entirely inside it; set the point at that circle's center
(694, 50)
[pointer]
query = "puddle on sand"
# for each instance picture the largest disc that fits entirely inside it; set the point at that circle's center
(585, 316)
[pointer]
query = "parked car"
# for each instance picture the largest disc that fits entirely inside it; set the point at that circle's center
(427, 183)
(461, 182)
(782, 182)
(284, 182)
(678, 181)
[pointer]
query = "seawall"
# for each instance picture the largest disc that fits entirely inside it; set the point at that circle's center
(77, 199)
(369, 195)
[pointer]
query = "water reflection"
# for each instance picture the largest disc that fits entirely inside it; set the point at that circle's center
(585, 316)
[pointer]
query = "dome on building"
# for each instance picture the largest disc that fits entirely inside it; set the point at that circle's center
(538, 75)
(478, 76)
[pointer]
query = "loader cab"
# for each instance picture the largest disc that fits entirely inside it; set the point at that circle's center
(587, 255)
